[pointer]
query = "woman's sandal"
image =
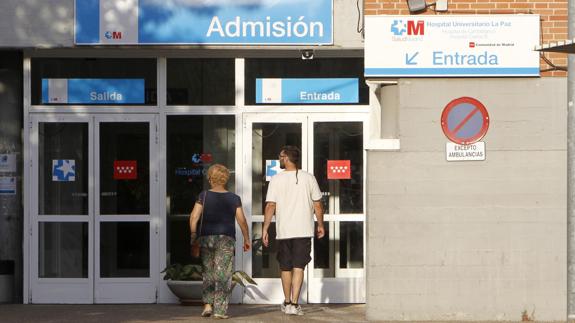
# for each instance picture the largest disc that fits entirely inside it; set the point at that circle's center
(207, 313)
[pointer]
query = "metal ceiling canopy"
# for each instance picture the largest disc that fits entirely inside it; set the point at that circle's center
(566, 46)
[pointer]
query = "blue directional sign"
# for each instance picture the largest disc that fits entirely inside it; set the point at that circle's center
(307, 91)
(93, 91)
(253, 22)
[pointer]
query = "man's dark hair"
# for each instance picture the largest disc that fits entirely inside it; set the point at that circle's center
(293, 153)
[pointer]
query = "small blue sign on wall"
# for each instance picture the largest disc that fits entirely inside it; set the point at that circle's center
(307, 91)
(247, 22)
(272, 168)
(93, 91)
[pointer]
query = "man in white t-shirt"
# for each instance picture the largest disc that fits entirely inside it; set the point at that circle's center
(293, 195)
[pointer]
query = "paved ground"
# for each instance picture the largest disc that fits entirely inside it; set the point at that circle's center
(160, 313)
(172, 313)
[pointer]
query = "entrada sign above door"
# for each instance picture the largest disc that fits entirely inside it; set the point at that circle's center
(307, 90)
(450, 45)
(247, 22)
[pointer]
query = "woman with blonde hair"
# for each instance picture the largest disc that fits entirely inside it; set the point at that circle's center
(219, 209)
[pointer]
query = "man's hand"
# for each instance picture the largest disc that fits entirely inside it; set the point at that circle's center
(265, 238)
(247, 245)
(318, 210)
(320, 231)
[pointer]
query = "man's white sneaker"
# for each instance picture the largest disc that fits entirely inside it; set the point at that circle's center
(294, 310)
(284, 307)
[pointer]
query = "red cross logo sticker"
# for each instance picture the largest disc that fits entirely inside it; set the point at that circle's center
(206, 158)
(338, 169)
(125, 169)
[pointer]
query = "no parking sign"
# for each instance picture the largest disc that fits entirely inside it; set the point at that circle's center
(465, 121)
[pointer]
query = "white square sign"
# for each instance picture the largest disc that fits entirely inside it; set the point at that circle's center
(455, 152)
(8, 163)
(8, 185)
(451, 45)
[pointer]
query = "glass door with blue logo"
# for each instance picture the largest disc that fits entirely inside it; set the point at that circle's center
(92, 211)
(266, 134)
(61, 219)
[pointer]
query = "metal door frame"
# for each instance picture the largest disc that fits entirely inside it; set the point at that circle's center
(269, 290)
(88, 290)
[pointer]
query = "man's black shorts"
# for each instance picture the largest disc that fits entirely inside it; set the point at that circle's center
(294, 253)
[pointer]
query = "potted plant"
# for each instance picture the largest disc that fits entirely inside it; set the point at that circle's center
(185, 281)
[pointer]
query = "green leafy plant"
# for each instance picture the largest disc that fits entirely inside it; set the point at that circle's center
(183, 272)
(194, 272)
(240, 277)
(526, 317)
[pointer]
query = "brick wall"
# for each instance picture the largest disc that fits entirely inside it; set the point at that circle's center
(553, 19)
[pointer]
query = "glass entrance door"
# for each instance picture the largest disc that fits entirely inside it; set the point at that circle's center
(93, 230)
(265, 134)
(126, 248)
(62, 247)
(336, 272)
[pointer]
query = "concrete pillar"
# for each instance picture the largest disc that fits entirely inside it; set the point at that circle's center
(384, 115)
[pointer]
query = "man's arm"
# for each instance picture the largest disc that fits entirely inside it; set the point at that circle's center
(318, 209)
(268, 214)
(241, 218)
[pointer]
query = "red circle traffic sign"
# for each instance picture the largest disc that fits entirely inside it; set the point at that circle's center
(464, 121)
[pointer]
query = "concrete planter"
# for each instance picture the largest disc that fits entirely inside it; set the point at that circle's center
(188, 291)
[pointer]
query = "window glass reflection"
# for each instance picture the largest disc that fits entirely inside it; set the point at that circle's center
(351, 245)
(194, 144)
(124, 168)
(63, 250)
(264, 263)
(341, 248)
(201, 81)
(63, 168)
(339, 141)
(323, 250)
(124, 249)
(267, 140)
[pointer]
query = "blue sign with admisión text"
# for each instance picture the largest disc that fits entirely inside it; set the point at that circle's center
(307, 91)
(93, 91)
(247, 22)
